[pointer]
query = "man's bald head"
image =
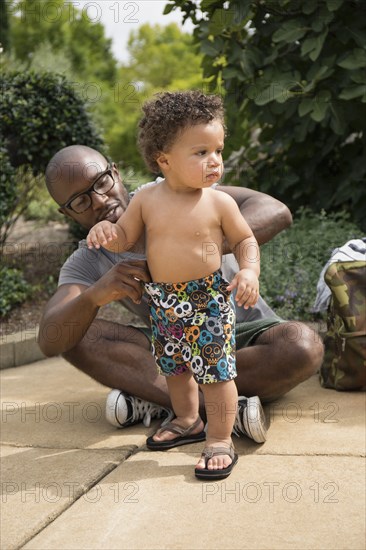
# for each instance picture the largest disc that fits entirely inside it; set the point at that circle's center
(73, 171)
(71, 165)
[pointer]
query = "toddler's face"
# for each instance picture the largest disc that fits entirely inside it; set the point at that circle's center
(195, 159)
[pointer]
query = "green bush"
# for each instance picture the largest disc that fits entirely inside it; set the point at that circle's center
(295, 70)
(291, 263)
(40, 113)
(4, 27)
(14, 289)
(42, 207)
(8, 189)
(43, 211)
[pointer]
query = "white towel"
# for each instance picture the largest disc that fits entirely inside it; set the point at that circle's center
(352, 251)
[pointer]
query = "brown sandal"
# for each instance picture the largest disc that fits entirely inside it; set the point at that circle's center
(184, 436)
(209, 452)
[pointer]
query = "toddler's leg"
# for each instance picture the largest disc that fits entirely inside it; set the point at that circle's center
(183, 391)
(221, 401)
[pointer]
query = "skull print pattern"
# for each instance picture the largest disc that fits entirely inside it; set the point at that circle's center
(193, 328)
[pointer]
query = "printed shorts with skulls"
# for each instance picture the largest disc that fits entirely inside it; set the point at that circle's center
(193, 328)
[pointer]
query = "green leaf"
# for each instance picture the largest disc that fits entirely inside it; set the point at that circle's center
(241, 13)
(354, 60)
(206, 4)
(319, 71)
(308, 45)
(317, 25)
(289, 32)
(277, 91)
(334, 5)
(352, 92)
(168, 8)
(230, 72)
(208, 48)
(236, 53)
(337, 122)
(305, 107)
(309, 6)
(358, 76)
(320, 108)
(359, 36)
(314, 54)
(323, 96)
(220, 20)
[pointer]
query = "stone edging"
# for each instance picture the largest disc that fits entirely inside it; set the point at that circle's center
(19, 348)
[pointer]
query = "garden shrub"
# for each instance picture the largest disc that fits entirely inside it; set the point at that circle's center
(40, 113)
(14, 289)
(295, 71)
(8, 190)
(291, 263)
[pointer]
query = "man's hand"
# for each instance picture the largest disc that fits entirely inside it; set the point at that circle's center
(124, 280)
(101, 234)
(247, 288)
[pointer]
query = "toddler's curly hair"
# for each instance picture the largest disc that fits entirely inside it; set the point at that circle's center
(168, 114)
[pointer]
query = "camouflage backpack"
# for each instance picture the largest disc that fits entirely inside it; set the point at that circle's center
(344, 366)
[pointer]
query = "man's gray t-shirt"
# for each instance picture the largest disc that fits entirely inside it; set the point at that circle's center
(86, 266)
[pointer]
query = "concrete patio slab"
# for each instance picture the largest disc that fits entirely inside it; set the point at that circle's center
(52, 404)
(269, 502)
(44, 413)
(70, 480)
(37, 485)
(313, 420)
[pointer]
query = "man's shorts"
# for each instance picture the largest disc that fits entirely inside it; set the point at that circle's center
(193, 328)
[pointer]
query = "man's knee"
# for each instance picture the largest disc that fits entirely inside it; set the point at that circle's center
(305, 344)
(91, 344)
(296, 344)
(77, 355)
(100, 337)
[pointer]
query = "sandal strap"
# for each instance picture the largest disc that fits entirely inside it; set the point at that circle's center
(209, 452)
(179, 430)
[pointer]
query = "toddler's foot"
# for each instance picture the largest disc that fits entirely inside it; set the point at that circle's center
(175, 433)
(219, 461)
(194, 426)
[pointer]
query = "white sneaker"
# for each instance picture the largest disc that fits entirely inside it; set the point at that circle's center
(250, 419)
(124, 410)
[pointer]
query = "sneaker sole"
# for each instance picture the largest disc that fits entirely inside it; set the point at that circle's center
(111, 408)
(254, 420)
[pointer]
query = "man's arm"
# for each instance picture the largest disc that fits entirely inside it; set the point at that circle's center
(265, 215)
(73, 307)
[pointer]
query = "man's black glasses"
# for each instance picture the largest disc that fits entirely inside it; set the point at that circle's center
(82, 201)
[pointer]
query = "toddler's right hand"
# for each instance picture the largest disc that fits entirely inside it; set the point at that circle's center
(101, 234)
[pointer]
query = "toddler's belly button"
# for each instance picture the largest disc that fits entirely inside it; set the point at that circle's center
(197, 233)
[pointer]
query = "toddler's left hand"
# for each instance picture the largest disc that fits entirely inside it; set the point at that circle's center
(247, 288)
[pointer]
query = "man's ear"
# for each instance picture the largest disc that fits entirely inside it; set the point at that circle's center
(116, 173)
(64, 212)
(163, 161)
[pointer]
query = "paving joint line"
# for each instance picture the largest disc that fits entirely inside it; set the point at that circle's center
(83, 491)
(54, 448)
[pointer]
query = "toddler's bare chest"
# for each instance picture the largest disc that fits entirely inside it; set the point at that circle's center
(191, 221)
